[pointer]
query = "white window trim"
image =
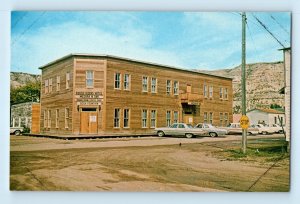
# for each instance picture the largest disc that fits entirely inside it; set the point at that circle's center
(211, 90)
(170, 87)
(119, 121)
(57, 83)
(147, 84)
(155, 91)
(221, 93)
(68, 80)
(67, 116)
(86, 79)
(176, 88)
(168, 119)
(155, 118)
(57, 118)
(129, 82)
(205, 90)
(147, 126)
(120, 81)
(128, 118)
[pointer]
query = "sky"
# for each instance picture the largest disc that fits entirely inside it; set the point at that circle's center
(189, 40)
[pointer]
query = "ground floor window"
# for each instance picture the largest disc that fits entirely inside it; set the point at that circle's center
(117, 118)
(221, 119)
(175, 117)
(67, 117)
(225, 119)
(205, 117)
(168, 117)
(144, 118)
(56, 118)
(211, 118)
(126, 118)
(153, 118)
(49, 118)
(45, 119)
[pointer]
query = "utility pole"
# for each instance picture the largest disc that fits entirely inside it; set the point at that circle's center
(244, 130)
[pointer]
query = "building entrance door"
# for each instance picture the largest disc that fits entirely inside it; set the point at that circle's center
(88, 121)
(188, 119)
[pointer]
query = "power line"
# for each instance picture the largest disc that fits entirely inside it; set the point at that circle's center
(29, 27)
(265, 27)
(283, 28)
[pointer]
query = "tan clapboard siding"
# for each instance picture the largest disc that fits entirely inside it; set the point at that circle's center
(136, 100)
(35, 118)
(81, 66)
(57, 99)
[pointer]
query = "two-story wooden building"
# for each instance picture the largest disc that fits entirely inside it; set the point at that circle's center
(103, 95)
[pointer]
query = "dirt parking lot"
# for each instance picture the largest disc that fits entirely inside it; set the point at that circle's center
(149, 164)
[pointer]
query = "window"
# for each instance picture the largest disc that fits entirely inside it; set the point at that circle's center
(205, 90)
(89, 77)
(45, 119)
(205, 117)
(144, 118)
(221, 93)
(275, 120)
(221, 119)
(180, 126)
(56, 118)
(50, 85)
(67, 117)
(117, 80)
(225, 93)
(176, 87)
(153, 119)
(168, 87)
(225, 119)
(126, 82)
(211, 118)
(210, 91)
(126, 118)
(153, 85)
(67, 80)
(57, 83)
(46, 86)
(145, 84)
(168, 116)
(175, 117)
(49, 118)
(117, 118)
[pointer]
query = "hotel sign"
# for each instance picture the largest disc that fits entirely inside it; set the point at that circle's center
(88, 98)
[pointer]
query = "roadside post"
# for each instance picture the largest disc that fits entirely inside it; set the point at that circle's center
(244, 122)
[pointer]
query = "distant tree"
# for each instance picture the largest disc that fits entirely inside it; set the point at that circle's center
(28, 93)
(237, 109)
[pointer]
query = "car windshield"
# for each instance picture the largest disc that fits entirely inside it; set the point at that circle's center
(189, 126)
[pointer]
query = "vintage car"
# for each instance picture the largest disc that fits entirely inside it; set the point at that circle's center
(276, 128)
(16, 130)
(263, 129)
(235, 128)
(211, 130)
(180, 129)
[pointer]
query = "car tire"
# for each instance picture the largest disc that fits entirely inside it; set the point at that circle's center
(17, 132)
(213, 134)
(264, 132)
(160, 133)
(189, 135)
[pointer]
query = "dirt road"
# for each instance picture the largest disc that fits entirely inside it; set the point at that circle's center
(146, 164)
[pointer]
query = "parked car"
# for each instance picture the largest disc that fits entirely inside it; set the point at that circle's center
(16, 130)
(211, 130)
(263, 129)
(235, 128)
(180, 129)
(277, 128)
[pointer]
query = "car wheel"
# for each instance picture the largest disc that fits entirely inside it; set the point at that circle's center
(213, 134)
(264, 132)
(17, 132)
(189, 135)
(160, 133)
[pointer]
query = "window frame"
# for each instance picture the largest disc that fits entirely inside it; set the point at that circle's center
(57, 118)
(169, 87)
(144, 119)
(205, 90)
(67, 116)
(46, 86)
(153, 85)
(68, 80)
(126, 82)
(117, 81)
(145, 85)
(176, 119)
(57, 83)
(153, 119)
(87, 79)
(118, 118)
(210, 91)
(126, 118)
(221, 93)
(205, 117)
(168, 119)
(176, 88)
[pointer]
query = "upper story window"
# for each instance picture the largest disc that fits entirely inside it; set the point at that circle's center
(50, 85)
(221, 93)
(126, 82)
(176, 87)
(153, 85)
(169, 87)
(67, 80)
(46, 86)
(57, 83)
(205, 90)
(145, 84)
(117, 80)
(211, 89)
(225, 93)
(89, 77)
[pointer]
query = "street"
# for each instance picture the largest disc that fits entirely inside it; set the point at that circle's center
(149, 164)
